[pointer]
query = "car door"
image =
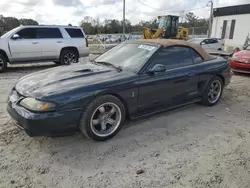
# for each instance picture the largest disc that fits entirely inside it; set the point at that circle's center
(215, 44)
(26, 47)
(205, 44)
(51, 41)
(177, 84)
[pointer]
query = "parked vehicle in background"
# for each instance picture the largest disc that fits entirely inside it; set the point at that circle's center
(240, 61)
(133, 79)
(114, 38)
(208, 43)
(26, 44)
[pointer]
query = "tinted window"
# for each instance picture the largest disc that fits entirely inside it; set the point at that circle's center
(173, 57)
(27, 33)
(212, 41)
(196, 56)
(44, 33)
(75, 33)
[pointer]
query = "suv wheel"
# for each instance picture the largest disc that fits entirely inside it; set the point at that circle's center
(68, 56)
(103, 118)
(3, 63)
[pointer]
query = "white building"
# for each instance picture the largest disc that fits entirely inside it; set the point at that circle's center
(232, 24)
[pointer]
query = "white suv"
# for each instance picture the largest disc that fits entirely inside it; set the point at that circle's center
(26, 44)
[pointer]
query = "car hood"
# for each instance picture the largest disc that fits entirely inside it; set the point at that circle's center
(50, 82)
(243, 54)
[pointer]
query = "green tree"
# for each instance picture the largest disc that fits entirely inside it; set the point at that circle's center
(25, 21)
(10, 23)
(191, 19)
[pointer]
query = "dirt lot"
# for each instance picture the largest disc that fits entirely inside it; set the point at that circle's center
(195, 146)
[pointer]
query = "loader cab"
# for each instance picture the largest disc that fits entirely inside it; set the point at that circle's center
(170, 25)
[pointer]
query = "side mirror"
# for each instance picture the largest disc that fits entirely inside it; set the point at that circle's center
(15, 36)
(157, 68)
(203, 43)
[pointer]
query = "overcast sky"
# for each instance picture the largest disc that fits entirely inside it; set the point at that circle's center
(73, 11)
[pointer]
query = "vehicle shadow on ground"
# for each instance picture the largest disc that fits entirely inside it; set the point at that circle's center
(130, 128)
(29, 68)
(134, 135)
(242, 74)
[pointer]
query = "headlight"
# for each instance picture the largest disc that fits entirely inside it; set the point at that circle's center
(36, 105)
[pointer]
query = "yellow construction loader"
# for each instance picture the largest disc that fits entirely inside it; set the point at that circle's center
(168, 28)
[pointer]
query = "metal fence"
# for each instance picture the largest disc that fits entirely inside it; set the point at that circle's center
(196, 32)
(104, 40)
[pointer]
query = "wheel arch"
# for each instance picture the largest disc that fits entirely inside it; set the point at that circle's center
(127, 116)
(69, 48)
(222, 78)
(4, 54)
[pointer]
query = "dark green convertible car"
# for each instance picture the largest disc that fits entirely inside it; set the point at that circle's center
(133, 79)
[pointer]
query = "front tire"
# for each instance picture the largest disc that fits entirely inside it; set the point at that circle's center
(213, 92)
(102, 118)
(3, 63)
(68, 56)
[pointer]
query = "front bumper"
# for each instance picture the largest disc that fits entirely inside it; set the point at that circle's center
(240, 66)
(44, 124)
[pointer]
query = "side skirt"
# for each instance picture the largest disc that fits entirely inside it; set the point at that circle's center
(165, 109)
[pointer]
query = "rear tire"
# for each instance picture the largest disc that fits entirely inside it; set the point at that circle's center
(103, 118)
(3, 63)
(213, 92)
(68, 56)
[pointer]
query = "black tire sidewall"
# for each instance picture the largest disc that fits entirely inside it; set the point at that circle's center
(84, 123)
(205, 100)
(64, 52)
(2, 69)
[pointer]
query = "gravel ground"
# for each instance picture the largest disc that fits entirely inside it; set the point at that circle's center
(195, 146)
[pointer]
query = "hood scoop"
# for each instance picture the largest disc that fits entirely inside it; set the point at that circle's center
(84, 70)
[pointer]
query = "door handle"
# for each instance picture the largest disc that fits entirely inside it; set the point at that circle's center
(59, 41)
(34, 42)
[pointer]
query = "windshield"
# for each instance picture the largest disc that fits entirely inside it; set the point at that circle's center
(163, 22)
(195, 40)
(9, 33)
(128, 56)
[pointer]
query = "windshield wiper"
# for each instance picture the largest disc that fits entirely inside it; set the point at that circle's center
(119, 69)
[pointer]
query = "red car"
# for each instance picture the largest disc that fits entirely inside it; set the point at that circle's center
(240, 61)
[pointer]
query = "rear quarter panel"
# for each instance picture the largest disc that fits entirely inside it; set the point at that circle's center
(79, 43)
(209, 69)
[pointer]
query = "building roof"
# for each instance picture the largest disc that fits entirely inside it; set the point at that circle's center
(172, 42)
(232, 10)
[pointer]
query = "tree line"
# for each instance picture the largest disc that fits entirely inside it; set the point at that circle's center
(94, 26)
(8, 23)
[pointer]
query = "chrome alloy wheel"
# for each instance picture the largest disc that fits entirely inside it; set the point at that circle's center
(70, 58)
(214, 91)
(1, 64)
(105, 119)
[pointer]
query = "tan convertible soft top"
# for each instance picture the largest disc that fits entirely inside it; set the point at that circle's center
(172, 42)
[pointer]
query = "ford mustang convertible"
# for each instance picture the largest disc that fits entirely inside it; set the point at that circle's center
(133, 79)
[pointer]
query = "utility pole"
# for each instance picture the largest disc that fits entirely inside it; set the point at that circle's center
(210, 18)
(123, 29)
